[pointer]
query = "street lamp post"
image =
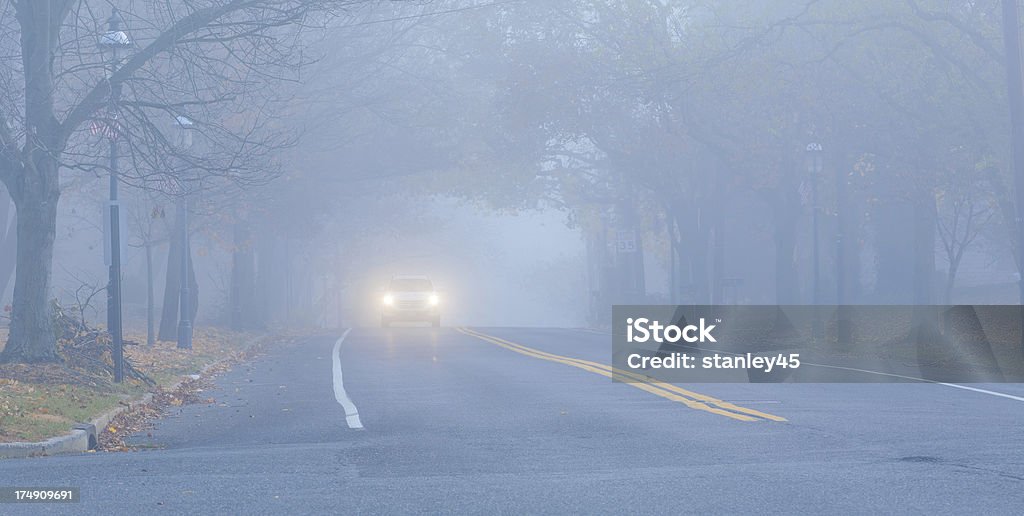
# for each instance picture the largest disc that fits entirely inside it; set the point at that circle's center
(814, 167)
(113, 40)
(184, 126)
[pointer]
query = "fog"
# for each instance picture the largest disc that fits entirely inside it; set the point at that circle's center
(543, 161)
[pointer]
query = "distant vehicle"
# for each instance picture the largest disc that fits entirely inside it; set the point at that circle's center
(410, 299)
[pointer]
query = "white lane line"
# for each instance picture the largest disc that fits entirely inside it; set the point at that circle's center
(592, 330)
(923, 380)
(983, 391)
(351, 413)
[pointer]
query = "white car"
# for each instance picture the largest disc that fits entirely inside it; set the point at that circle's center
(410, 299)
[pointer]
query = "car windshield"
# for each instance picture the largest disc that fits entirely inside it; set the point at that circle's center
(411, 285)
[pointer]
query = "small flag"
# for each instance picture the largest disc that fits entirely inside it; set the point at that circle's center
(108, 127)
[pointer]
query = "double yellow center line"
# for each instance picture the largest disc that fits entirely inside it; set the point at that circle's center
(668, 391)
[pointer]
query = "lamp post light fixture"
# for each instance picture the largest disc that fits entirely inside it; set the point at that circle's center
(814, 168)
(184, 126)
(113, 41)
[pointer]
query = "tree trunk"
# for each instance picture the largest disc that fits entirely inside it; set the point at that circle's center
(8, 253)
(32, 336)
(1015, 95)
(787, 218)
(924, 248)
(267, 277)
(193, 289)
(844, 330)
(718, 261)
(639, 273)
(925, 316)
(947, 297)
(8, 243)
(172, 291)
(172, 286)
(694, 238)
(718, 236)
(593, 276)
(673, 256)
(150, 302)
(243, 278)
(6, 205)
(629, 262)
(34, 184)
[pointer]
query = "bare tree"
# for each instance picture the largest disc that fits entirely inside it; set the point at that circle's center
(216, 61)
(82, 296)
(144, 216)
(964, 210)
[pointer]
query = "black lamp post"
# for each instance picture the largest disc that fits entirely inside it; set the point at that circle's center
(113, 41)
(184, 127)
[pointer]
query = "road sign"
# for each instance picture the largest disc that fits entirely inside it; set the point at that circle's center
(106, 126)
(625, 241)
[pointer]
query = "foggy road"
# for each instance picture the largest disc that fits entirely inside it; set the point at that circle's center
(515, 420)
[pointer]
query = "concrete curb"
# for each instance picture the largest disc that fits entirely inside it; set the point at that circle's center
(83, 436)
(81, 439)
(75, 442)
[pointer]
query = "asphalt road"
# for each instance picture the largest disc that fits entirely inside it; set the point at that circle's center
(507, 420)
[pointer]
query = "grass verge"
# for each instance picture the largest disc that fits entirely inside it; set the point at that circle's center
(42, 401)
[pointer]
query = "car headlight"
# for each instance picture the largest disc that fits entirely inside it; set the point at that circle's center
(388, 300)
(434, 300)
